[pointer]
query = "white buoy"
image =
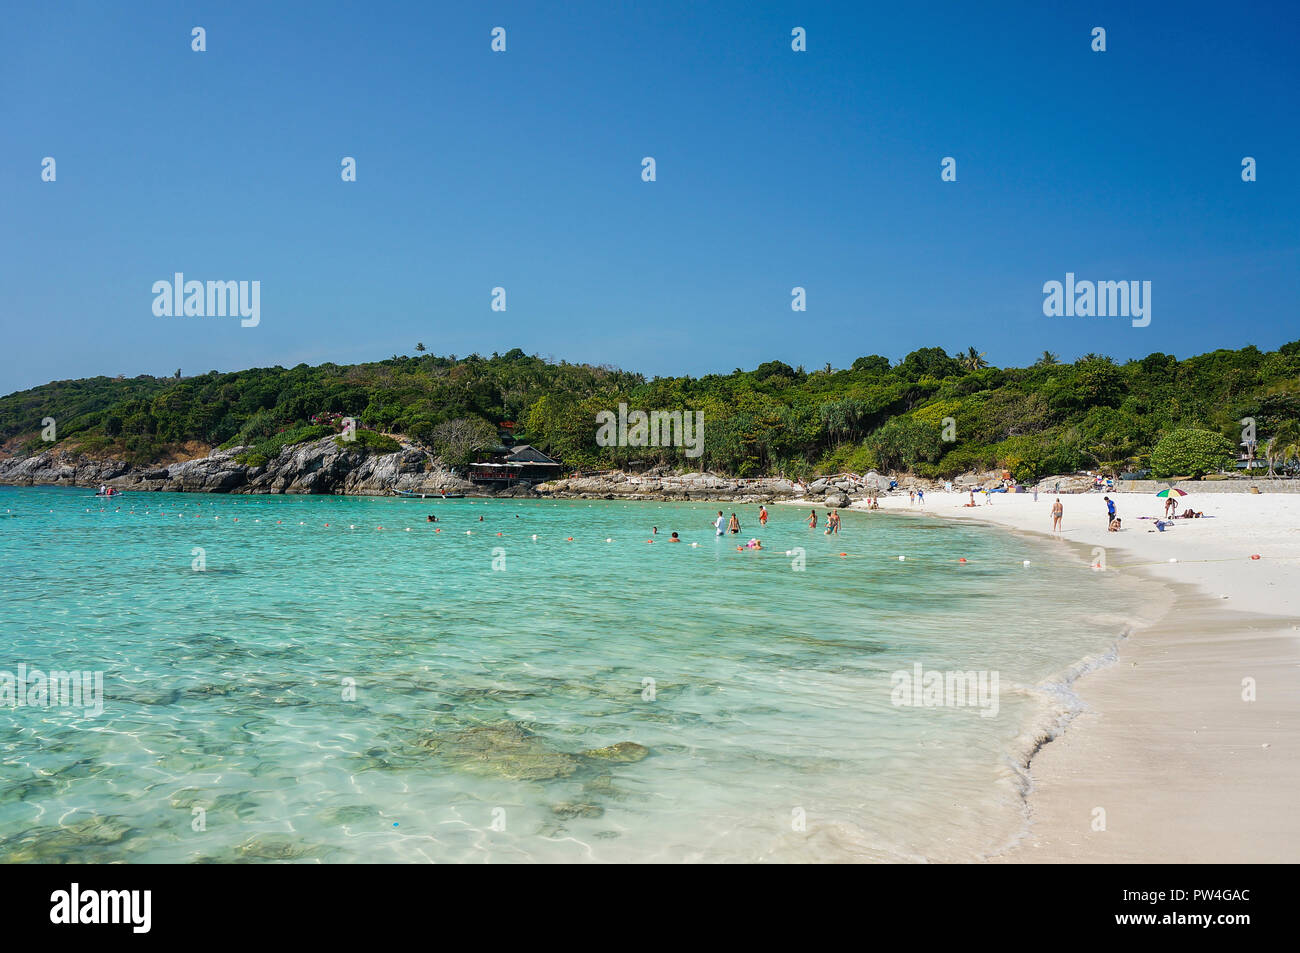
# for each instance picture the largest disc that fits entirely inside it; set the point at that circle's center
(1026, 564)
(902, 559)
(1173, 559)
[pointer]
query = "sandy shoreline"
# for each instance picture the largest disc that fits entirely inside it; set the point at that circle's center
(1185, 769)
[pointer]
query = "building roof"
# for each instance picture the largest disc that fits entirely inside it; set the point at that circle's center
(529, 454)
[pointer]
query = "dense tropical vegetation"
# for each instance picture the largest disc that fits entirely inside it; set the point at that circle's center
(934, 413)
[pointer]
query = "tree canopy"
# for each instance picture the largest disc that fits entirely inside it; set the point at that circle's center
(935, 413)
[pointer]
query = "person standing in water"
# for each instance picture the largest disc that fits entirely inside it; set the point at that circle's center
(720, 524)
(1057, 511)
(812, 520)
(734, 524)
(762, 515)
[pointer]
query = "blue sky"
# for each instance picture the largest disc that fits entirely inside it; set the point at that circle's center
(523, 170)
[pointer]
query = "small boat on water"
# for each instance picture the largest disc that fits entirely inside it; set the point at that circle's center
(411, 495)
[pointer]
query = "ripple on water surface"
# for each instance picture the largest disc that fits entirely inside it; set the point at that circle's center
(340, 693)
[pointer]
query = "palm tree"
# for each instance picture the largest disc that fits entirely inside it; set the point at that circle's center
(419, 346)
(1048, 360)
(973, 360)
(1289, 453)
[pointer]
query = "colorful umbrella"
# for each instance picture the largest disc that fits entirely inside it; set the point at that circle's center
(1172, 491)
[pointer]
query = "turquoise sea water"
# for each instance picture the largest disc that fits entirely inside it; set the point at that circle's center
(345, 693)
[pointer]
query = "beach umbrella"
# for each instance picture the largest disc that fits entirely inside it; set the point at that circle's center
(1171, 491)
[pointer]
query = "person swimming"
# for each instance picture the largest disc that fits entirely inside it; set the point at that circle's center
(431, 519)
(674, 538)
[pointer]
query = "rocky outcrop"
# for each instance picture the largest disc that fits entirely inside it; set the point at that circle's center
(324, 467)
(618, 485)
(319, 466)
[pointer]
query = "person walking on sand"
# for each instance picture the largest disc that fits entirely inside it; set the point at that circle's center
(920, 497)
(1110, 511)
(911, 497)
(1057, 511)
(762, 515)
(720, 524)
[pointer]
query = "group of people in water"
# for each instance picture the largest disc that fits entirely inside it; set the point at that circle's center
(832, 522)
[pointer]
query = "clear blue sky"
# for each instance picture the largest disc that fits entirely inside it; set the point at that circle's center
(522, 169)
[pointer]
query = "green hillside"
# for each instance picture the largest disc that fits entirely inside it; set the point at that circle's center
(1047, 418)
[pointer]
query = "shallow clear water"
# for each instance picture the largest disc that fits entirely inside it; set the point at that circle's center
(769, 722)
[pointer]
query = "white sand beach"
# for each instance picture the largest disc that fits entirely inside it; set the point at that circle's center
(1184, 768)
